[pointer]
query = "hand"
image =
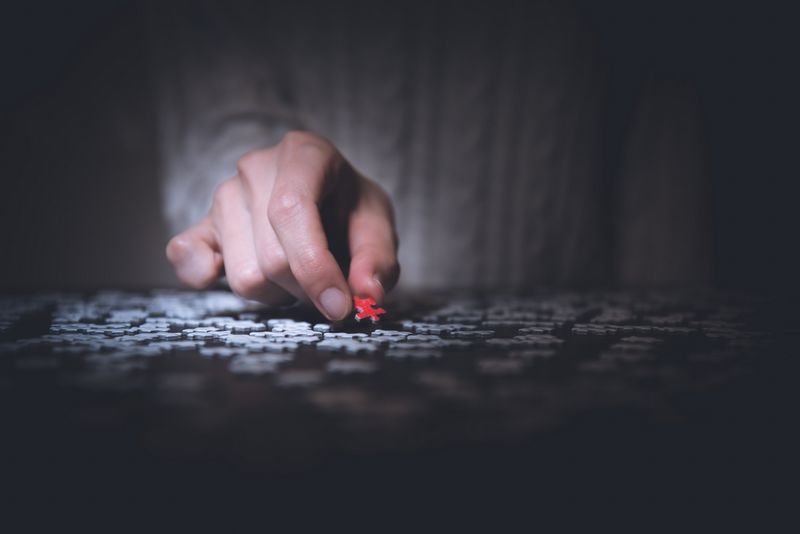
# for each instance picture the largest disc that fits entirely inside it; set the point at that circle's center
(289, 225)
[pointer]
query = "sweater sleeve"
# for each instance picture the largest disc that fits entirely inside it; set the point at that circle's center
(220, 91)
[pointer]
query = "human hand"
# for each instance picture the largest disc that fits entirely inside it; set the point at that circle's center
(289, 225)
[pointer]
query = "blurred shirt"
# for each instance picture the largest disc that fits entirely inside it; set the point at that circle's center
(489, 124)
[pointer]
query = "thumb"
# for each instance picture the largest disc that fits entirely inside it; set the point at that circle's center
(374, 269)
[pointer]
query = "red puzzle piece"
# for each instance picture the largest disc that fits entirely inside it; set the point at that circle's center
(365, 308)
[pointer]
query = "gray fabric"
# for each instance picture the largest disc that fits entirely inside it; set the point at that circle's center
(486, 124)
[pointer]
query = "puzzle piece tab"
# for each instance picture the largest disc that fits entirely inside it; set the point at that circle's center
(365, 308)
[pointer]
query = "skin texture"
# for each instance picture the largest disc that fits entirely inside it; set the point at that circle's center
(296, 222)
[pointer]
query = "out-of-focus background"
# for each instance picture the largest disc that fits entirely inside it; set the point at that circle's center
(82, 159)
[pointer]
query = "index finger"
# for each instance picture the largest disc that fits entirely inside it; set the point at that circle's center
(305, 165)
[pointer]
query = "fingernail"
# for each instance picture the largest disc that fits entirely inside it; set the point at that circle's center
(334, 303)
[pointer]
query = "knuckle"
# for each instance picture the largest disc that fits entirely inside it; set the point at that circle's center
(297, 140)
(284, 206)
(247, 281)
(224, 193)
(251, 163)
(293, 138)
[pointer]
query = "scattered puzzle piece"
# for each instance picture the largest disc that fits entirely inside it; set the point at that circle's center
(365, 309)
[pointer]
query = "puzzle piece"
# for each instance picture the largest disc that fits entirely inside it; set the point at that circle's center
(365, 309)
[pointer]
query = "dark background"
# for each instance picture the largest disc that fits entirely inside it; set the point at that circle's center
(78, 156)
